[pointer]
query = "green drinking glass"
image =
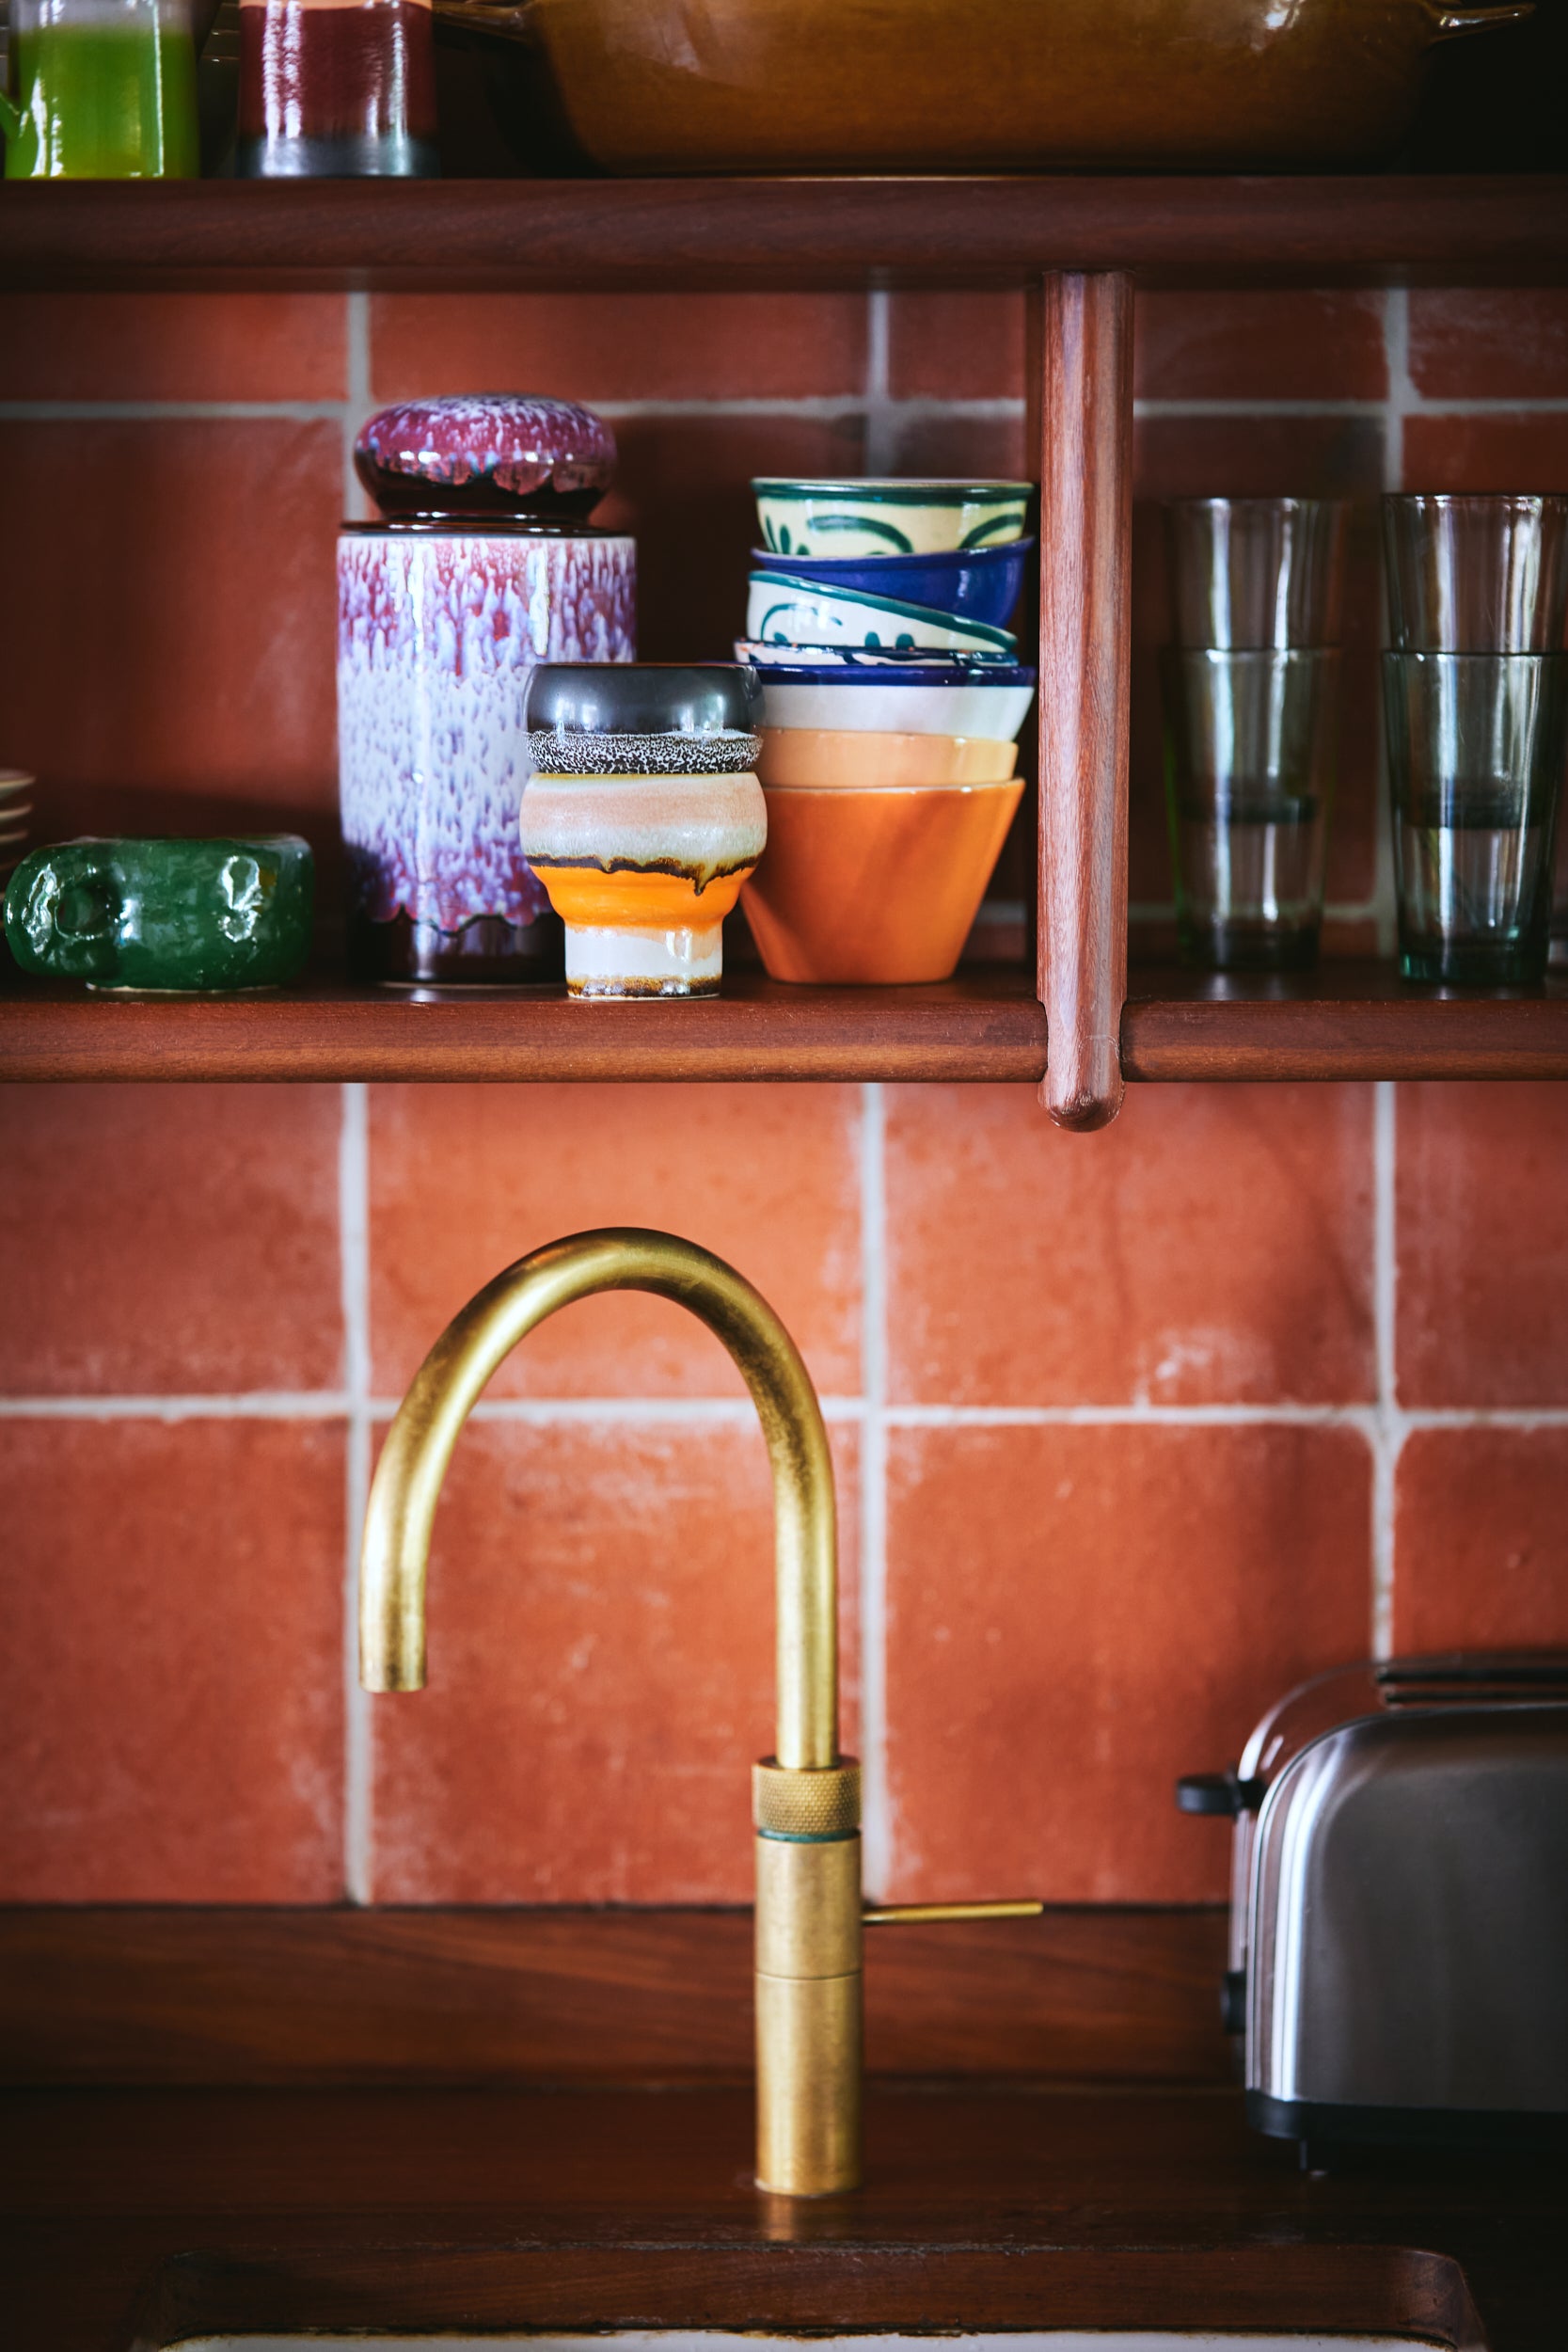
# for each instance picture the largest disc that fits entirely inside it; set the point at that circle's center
(101, 89)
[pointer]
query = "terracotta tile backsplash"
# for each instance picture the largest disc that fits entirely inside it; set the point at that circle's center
(622, 347)
(172, 1680)
(465, 1179)
(601, 1669)
(1130, 1429)
(1077, 1616)
(169, 605)
(1483, 1245)
(1214, 1247)
(169, 1240)
(167, 347)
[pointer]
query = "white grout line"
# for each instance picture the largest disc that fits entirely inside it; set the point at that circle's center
(358, 400)
(890, 410)
(260, 1405)
(716, 1411)
(876, 1813)
(1390, 1426)
(354, 1228)
(549, 1412)
(175, 411)
(879, 449)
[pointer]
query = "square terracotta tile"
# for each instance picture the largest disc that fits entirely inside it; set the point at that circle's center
(989, 448)
(1528, 452)
(1483, 1245)
(172, 1240)
(1260, 344)
(1480, 1557)
(1264, 345)
(1492, 342)
(1077, 1616)
(621, 346)
(955, 345)
(684, 488)
(168, 604)
(466, 1178)
(174, 346)
(601, 1670)
(1214, 1247)
(171, 1679)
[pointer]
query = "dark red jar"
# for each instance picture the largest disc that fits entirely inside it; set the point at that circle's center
(341, 89)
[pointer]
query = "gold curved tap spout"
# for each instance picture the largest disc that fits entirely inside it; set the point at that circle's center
(806, 1796)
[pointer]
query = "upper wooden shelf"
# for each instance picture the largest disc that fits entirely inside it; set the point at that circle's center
(640, 233)
(1344, 1021)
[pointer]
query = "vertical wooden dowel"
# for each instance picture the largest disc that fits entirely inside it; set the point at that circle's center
(1081, 439)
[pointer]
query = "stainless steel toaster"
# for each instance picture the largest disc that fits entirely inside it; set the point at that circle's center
(1398, 1917)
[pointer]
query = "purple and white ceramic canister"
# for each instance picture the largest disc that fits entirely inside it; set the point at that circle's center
(481, 567)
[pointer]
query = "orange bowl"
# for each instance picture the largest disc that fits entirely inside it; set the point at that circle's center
(873, 886)
(838, 759)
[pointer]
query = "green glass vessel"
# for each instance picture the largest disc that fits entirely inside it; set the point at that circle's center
(101, 89)
(188, 917)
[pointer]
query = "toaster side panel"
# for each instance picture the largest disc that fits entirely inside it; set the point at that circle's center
(1409, 1903)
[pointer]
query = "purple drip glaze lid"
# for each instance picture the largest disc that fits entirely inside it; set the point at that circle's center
(486, 453)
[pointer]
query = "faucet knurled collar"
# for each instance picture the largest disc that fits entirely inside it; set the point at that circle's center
(826, 1803)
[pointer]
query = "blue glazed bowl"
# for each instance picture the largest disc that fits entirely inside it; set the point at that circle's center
(971, 584)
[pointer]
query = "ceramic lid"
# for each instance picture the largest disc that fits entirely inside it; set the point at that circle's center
(486, 453)
(645, 698)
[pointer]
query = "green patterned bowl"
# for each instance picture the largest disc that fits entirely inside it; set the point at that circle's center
(851, 518)
(183, 916)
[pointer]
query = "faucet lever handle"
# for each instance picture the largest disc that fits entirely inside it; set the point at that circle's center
(918, 1915)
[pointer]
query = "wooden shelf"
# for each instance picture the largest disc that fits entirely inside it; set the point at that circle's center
(1079, 246)
(640, 233)
(1348, 1020)
(1345, 1021)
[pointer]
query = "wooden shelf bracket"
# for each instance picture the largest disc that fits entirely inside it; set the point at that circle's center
(1080, 372)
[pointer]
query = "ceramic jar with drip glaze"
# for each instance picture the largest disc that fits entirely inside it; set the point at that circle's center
(643, 818)
(484, 564)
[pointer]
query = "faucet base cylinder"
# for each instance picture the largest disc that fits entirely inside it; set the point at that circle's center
(808, 1985)
(808, 2084)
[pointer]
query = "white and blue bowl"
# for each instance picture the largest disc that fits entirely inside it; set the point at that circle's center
(783, 609)
(971, 585)
(937, 697)
(888, 518)
(877, 659)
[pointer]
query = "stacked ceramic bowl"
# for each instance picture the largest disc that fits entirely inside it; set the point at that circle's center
(876, 617)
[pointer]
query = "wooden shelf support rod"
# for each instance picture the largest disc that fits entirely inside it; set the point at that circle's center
(1081, 437)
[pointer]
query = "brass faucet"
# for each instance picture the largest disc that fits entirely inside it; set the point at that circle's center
(805, 1795)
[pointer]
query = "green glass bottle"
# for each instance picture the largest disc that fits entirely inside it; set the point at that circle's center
(101, 89)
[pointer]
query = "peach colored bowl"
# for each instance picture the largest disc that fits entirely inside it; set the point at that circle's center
(877, 885)
(842, 759)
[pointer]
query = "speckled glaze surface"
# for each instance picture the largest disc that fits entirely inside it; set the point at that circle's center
(727, 754)
(494, 452)
(438, 635)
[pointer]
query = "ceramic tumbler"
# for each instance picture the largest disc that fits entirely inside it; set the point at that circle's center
(482, 566)
(643, 818)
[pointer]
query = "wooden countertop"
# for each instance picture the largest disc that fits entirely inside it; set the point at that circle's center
(136, 2216)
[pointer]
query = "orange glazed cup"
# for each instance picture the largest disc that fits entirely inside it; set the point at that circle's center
(838, 759)
(878, 885)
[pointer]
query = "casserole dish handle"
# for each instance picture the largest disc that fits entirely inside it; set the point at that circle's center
(1454, 24)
